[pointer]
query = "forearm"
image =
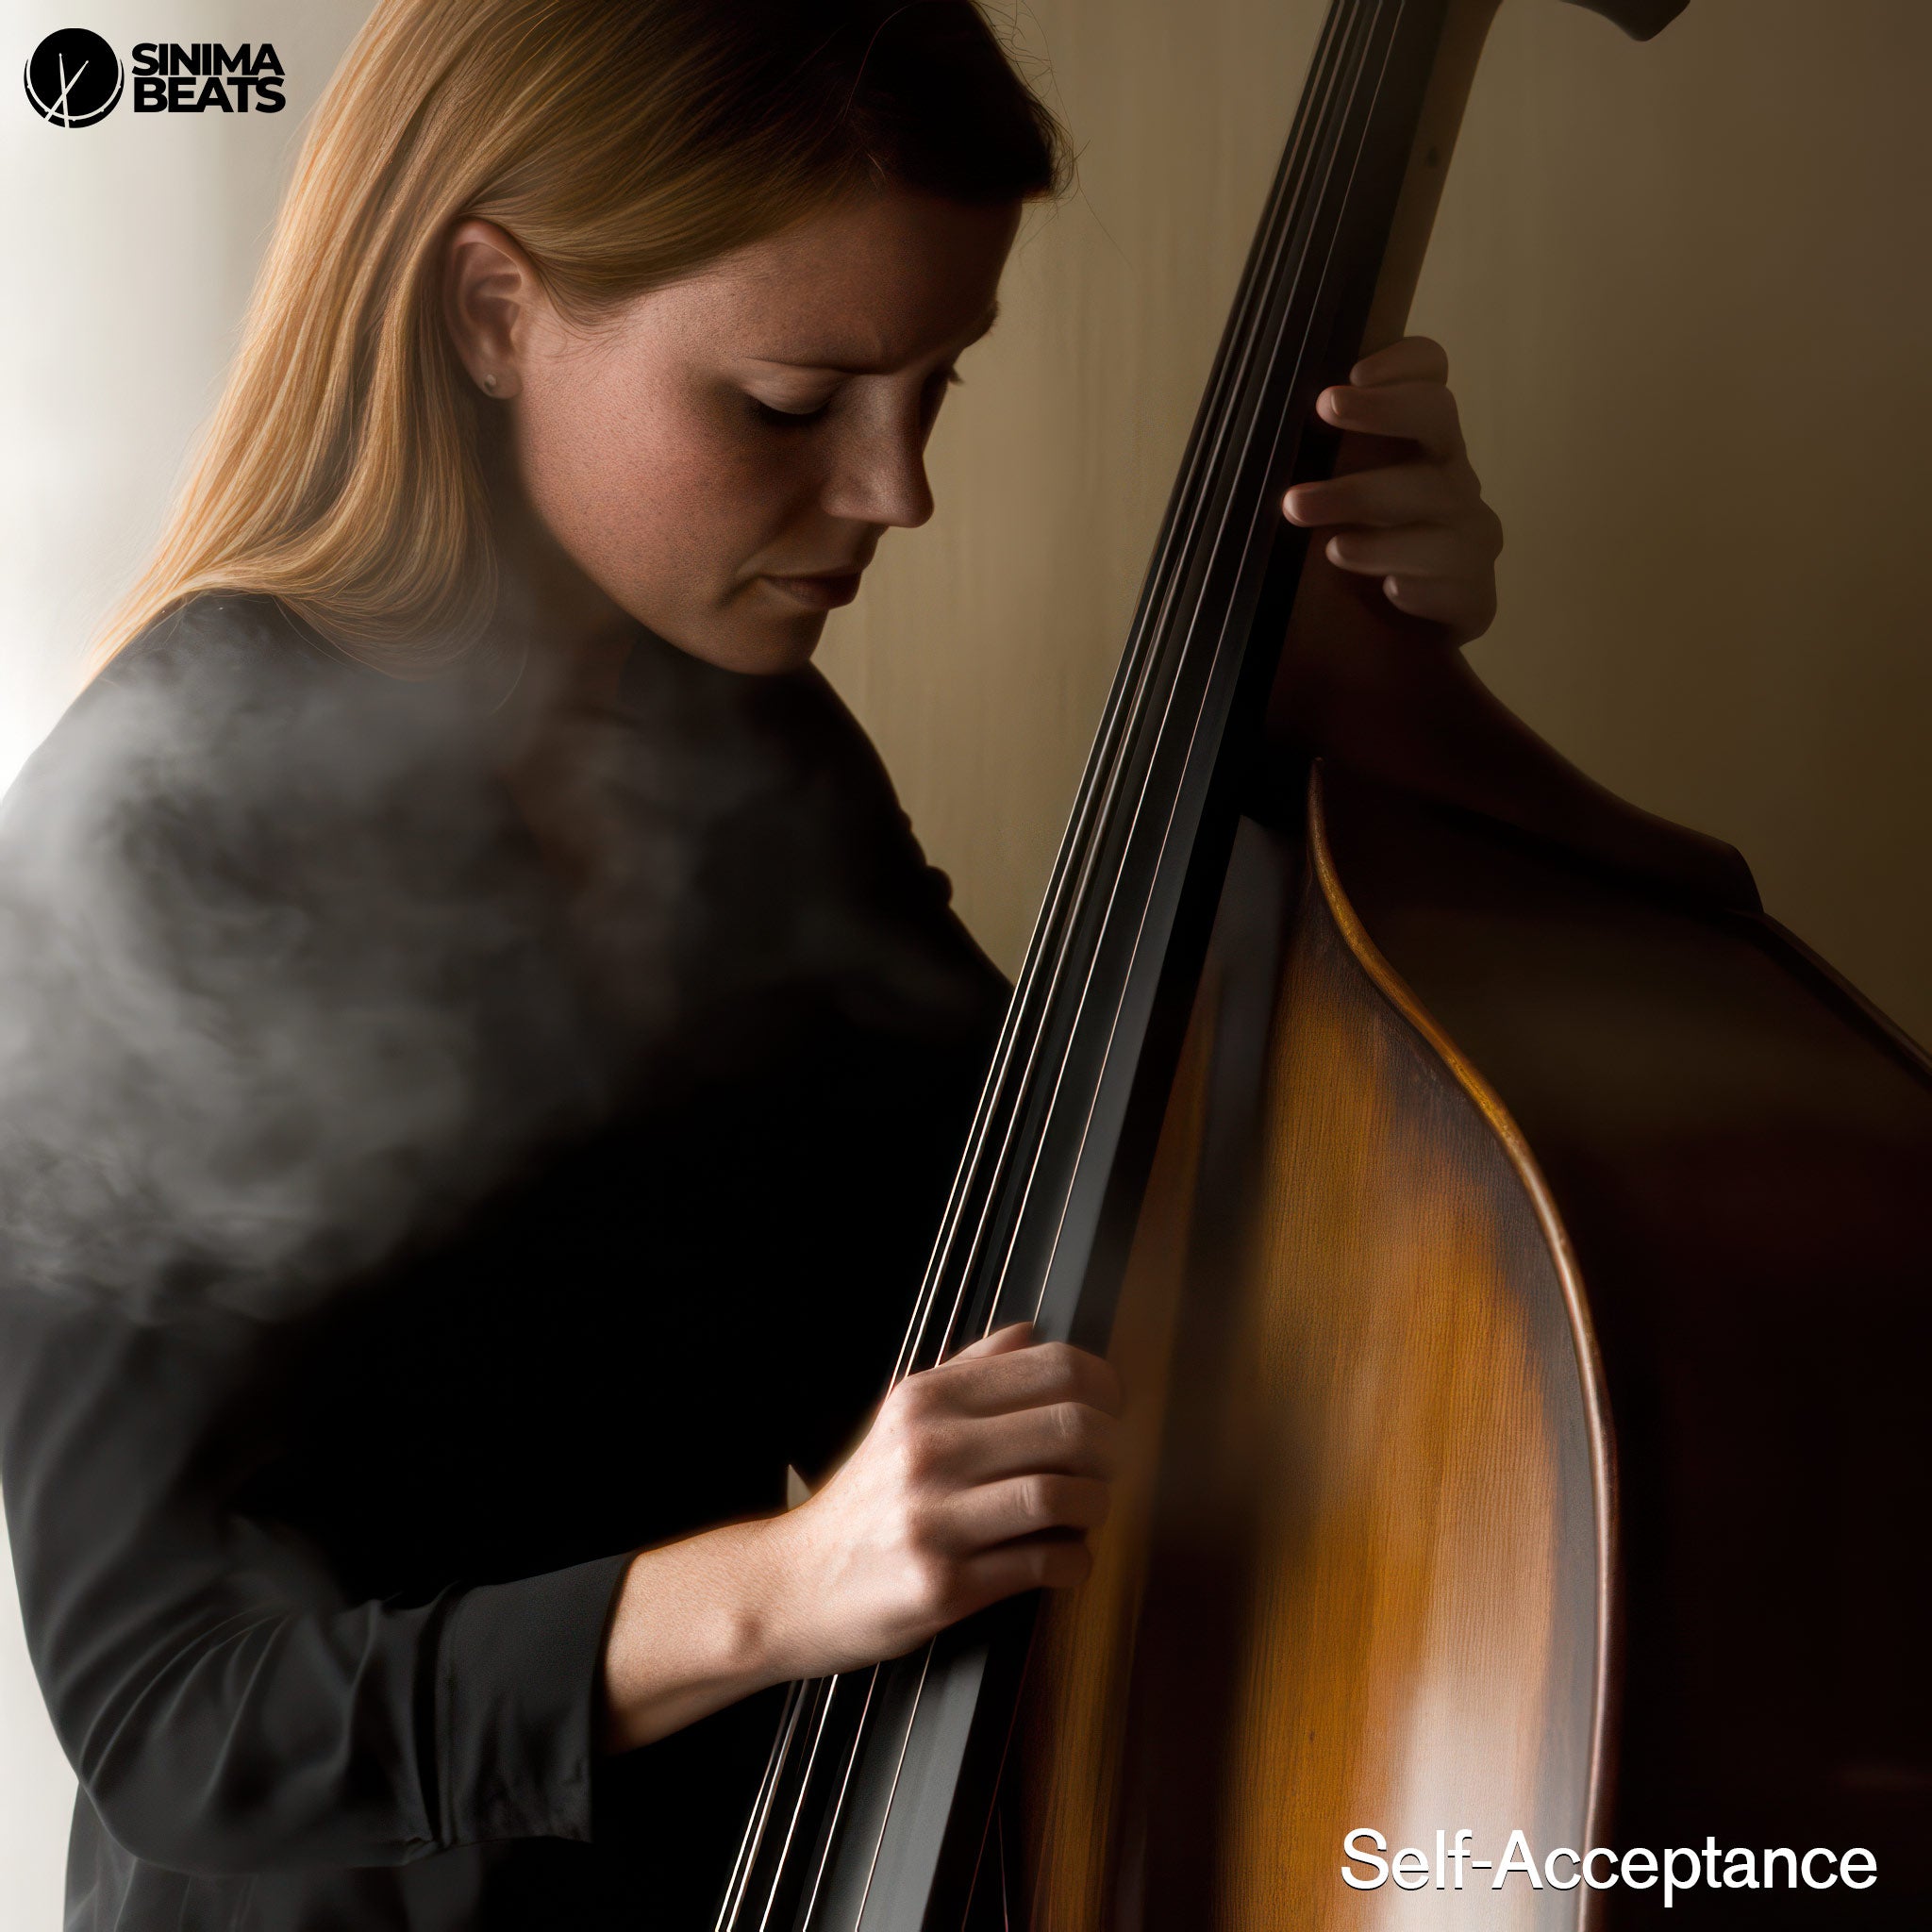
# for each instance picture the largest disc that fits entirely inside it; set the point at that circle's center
(698, 1624)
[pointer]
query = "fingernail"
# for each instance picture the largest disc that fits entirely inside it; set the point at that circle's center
(1331, 402)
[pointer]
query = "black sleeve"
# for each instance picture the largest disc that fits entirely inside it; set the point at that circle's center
(265, 991)
(224, 1707)
(247, 995)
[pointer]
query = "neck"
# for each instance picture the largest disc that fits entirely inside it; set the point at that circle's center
(548, 607)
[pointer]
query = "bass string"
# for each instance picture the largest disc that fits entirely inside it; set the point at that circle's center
(1262, 291)
(1277, 342)
(1354, 40)
(1311, 309)
(1341, 37)
(1048, 950)
(1050, 957)
(1358, 37)
(743, 1866)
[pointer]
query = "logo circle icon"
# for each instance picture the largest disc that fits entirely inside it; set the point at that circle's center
(74, 77)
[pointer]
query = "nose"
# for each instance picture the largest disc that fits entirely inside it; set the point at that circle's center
(877, 474)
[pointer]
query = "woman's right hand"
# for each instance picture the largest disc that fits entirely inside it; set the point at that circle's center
(977, 1479)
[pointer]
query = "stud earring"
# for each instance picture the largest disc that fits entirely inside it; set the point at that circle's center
(490, 383)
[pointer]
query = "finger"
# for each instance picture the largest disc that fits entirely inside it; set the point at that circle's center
(1414, 358)
(992, 1513)
(1055, 1438)
(1025, 1378)
(1049, 1562)
(934, 1391)
(998, 1342)
(1422, 413)
(1466, 610)
(1418, 550)
(1395, 495)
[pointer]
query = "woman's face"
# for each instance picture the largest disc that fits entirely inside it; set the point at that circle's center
(721, 457)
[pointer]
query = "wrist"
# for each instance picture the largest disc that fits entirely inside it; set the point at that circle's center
(782, 1639)
(757, 1637)
(698, 1624)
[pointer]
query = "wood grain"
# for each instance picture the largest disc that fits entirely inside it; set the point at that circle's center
(1366, 1582)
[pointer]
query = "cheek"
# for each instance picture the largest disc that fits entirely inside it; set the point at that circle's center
(656, 488)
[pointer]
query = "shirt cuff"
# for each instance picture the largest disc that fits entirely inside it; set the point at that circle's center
(518, 1692)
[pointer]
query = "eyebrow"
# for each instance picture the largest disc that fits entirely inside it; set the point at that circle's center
(991, 316)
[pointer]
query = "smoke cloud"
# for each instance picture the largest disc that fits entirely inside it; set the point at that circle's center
(274, 1003)
(287, 984)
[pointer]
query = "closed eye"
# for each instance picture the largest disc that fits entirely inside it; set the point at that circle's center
(794, 418)
(785, 419)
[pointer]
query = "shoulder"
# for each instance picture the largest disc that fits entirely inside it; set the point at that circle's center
(216, 660)
(228, 791)
(277, 998)
(191, 692)
(227, 726)
(235, 636)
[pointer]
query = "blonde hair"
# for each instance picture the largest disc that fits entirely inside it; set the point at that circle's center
(623, 144)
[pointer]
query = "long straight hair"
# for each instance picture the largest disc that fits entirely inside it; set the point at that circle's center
(623, 144)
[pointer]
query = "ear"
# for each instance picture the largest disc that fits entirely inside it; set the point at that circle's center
(490, 289)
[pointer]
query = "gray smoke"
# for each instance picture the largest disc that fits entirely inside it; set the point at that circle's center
(286, 984)
(273, 1005)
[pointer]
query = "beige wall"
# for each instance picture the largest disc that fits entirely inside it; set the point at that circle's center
(134, 243)
(1684, 288)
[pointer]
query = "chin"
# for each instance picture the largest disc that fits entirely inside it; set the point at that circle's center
(758, 650)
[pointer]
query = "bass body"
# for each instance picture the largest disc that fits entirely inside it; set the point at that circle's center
(1508, 1241)
(1534, 1301)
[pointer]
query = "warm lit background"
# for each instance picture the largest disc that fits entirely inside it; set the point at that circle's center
(1684, 289)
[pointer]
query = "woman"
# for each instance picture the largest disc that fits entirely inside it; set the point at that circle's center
(488, 1052)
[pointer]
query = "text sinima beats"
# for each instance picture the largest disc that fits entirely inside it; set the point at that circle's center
(205, 76)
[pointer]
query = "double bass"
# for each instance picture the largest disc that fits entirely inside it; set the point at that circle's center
(1513, 1245)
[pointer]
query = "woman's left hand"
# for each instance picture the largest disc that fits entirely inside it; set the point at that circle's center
(1417, 519)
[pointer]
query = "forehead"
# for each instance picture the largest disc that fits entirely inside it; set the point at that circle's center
(871, 282)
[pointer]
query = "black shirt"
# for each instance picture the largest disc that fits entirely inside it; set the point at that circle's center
(397, 1238)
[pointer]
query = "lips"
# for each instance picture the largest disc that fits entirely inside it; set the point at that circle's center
(824, 591)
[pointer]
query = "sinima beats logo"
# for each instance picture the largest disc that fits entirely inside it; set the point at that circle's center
(74, 77)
